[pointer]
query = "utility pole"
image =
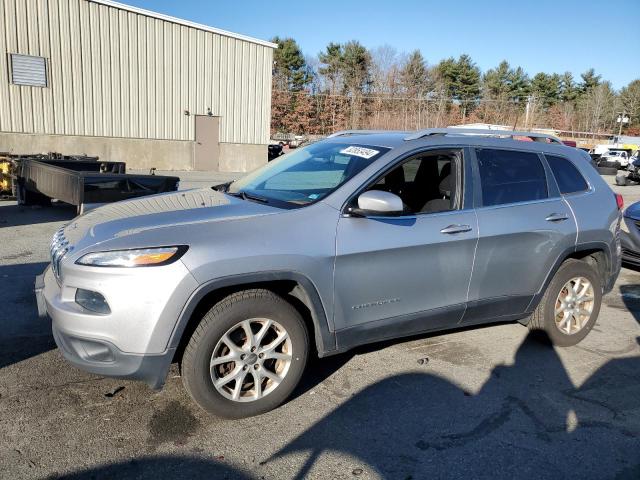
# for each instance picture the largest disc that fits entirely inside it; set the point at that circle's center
(528, 110)
(621, 119)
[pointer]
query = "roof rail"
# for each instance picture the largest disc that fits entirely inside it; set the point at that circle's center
(345, 133)
(536, 137)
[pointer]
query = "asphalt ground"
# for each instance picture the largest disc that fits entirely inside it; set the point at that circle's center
(491, 402)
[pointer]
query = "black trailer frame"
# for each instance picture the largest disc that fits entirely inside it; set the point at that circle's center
(83, 181)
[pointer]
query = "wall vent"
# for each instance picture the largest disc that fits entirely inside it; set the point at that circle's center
(28, 70)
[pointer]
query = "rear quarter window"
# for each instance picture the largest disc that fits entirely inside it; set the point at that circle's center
(568, 178)
(509, 176)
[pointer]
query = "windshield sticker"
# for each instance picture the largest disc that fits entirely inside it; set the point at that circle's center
(360, 151)
(313, 196)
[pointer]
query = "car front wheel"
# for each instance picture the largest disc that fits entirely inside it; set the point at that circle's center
(246, 356)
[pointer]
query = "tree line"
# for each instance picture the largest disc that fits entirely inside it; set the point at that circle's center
(348, 86)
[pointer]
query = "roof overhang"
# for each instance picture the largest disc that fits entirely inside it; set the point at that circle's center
(186, 23)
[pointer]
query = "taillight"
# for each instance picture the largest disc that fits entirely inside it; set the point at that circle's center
(619, 201)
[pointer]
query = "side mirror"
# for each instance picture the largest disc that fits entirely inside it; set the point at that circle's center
(378, 202)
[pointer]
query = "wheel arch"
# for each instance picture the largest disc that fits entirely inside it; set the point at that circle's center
(293, 286)
(597, 254)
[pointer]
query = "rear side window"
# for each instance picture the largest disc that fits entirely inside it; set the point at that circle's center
(569, 179)
(510, 177)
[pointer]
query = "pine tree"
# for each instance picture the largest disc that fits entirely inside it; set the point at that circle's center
(496, 81)
(356, 67)
(290, 69)
(546, 88)
(568, 88)
(461, 78)
(331, 60)
(589, 80)
(506, 83)
(520, 85)
(467, 83)
(414, 75)
(356, 72)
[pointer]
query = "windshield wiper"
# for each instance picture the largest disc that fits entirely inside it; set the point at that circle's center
(248, 196)
(223, 187)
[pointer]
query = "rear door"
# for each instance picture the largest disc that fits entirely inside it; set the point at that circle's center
(595, 209)
(525, 226)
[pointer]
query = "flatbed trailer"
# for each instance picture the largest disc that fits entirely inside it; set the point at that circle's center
(85, 182)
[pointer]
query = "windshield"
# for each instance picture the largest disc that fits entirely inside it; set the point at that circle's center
(306, 175)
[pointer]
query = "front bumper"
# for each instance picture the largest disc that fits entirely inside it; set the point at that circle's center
(103, 358)
(133, 340)
(630, 250)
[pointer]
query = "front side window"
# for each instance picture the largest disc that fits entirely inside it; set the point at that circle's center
(567, 175)
(307, 174)
(426, 183)
(509, 177)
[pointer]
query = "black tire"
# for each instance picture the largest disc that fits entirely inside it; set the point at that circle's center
(543, 318)
(227, 313)
(607, 171)
(621, 180)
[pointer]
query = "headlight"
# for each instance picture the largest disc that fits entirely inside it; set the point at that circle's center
(144, 257)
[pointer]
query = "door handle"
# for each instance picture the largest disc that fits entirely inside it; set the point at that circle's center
(456, 229)
(557, 217)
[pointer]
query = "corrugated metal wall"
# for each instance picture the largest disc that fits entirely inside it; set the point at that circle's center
(121, 74)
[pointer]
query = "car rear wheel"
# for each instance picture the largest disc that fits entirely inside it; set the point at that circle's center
(246, 356)
(570, 306)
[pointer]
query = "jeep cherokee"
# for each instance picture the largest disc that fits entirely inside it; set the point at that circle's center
(362, 237)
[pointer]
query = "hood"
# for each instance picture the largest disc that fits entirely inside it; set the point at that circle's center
(156, 212)
(633, 211)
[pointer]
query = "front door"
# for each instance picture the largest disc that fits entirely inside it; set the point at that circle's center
(207, 149)
(397, 276)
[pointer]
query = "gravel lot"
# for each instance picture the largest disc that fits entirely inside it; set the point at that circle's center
(485, 403)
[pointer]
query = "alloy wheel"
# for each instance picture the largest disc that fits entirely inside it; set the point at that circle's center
(251, 359)
(574, 305)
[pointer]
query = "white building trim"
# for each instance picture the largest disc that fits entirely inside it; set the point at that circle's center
(186, 23)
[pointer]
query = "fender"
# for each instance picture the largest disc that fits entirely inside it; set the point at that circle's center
(325, 339)
(583, 247)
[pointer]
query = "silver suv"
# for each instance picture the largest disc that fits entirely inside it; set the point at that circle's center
(362, 237)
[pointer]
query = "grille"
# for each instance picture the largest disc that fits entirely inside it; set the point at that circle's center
(59, 248)
(630, 253)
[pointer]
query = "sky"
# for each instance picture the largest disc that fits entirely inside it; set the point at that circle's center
(538, 35)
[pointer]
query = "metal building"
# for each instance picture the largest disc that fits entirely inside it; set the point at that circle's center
(107, 79)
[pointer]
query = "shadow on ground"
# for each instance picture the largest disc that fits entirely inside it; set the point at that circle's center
(12, 215)
(527, 420)
(22, 334)
(153, 468)
(631, 297)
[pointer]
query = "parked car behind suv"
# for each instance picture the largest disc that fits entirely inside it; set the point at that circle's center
(362, 237)
(614, 158)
